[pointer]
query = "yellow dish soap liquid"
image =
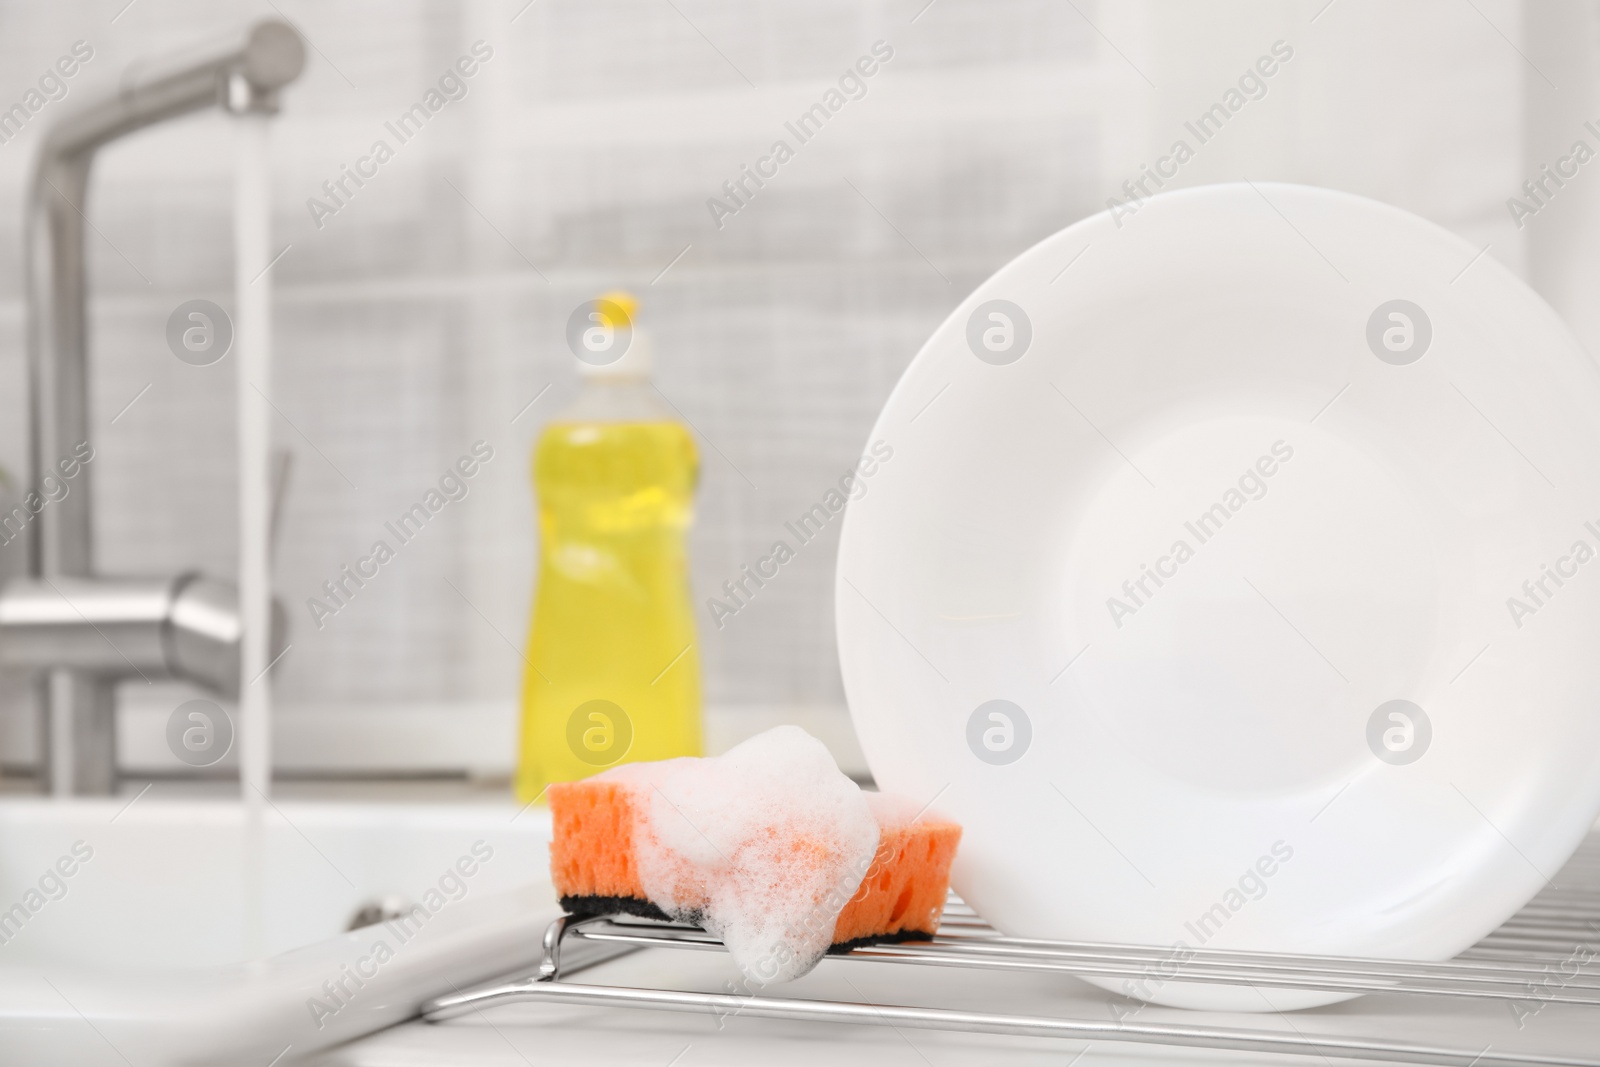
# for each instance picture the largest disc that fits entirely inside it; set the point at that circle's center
(612, 672)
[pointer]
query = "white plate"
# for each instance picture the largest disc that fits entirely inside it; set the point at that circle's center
(1196, 762)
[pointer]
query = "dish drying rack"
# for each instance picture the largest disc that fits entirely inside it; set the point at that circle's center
(1517, 964)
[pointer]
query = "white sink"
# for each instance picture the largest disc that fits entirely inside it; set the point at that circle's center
(177, 932)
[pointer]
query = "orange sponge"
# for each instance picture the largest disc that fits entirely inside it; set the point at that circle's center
(901, 897)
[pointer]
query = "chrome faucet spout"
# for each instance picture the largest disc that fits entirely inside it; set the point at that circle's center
(270, 57)
(78, 749)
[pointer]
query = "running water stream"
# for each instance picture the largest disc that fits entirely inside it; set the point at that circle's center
(252, 229)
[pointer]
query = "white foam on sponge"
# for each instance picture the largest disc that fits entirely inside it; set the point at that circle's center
(763, 846)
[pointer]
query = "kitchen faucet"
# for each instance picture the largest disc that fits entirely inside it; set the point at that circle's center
(81, 633)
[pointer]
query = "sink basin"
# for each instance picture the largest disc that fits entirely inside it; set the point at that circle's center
(177, 932)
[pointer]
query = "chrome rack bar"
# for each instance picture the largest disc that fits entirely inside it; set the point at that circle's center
(1476, 979)
(1196, 1036)
(1514, 964)
(1499, 982)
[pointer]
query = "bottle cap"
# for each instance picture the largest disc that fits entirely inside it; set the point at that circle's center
(611, 345)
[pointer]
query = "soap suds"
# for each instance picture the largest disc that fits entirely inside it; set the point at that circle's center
(893, 810)
(763, 846)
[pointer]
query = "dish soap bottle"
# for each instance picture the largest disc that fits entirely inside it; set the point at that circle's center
(612, 670)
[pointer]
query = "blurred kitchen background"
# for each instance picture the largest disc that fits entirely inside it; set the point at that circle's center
(429, 311)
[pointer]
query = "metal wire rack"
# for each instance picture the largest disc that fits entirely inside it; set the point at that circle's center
(1516, 964)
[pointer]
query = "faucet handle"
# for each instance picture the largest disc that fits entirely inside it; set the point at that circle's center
(186, 627)
(282, 467)
(203, 633)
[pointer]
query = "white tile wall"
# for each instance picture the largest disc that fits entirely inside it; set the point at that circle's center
(429, 311)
